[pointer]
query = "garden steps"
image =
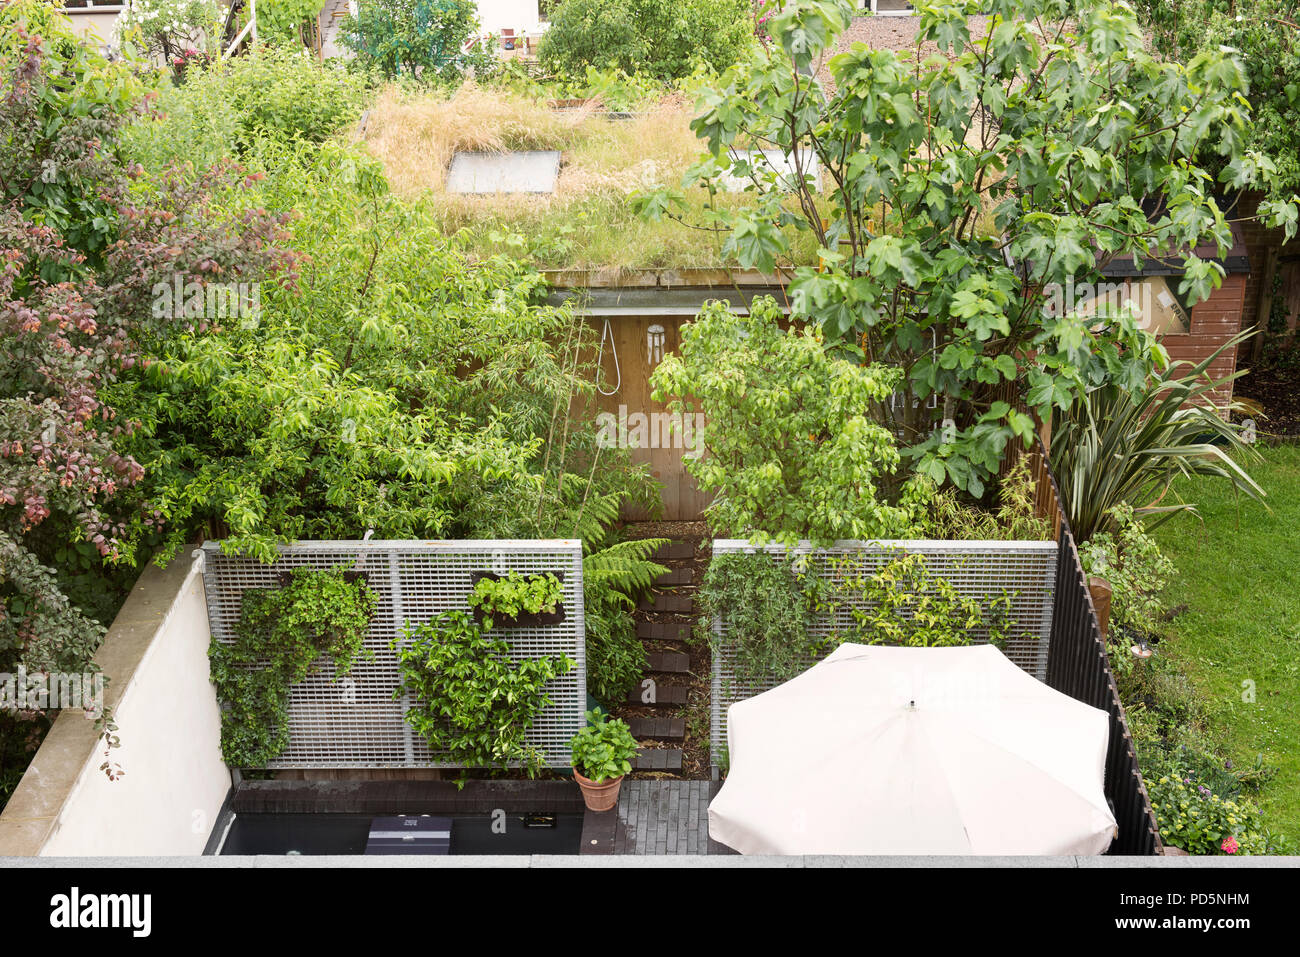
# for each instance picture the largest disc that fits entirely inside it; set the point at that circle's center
(664, 630)
(676, 576)
(664, 624)
(658, 759)
(664, 694)
(669, 663)
(657, 729)
(670, 604)
(675, 552)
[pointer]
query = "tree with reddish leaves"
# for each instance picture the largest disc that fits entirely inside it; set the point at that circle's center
(86, 244)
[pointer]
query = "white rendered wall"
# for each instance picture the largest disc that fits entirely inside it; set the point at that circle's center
(170, 727)
(518, 15)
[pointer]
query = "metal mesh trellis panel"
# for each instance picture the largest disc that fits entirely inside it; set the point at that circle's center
(1023, 571)
(356, 722)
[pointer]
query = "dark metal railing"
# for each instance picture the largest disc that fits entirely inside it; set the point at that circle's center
(1078, 665)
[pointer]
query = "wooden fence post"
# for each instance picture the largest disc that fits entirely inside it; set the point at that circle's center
(1101, 594)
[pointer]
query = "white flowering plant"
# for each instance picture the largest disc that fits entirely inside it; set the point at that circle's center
(170, 30)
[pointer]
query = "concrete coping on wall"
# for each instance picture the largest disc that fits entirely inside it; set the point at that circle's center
(687, 278)
(72, 748)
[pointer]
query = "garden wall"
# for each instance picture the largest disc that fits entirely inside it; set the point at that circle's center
(156, 658)
(1025, 571)
(356, 722)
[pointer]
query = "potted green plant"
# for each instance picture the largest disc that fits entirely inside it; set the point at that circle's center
(515, 599)
(602, 755)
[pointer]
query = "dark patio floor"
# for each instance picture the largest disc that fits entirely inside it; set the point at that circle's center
(654, 818)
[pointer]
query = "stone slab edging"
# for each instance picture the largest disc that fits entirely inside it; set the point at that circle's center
(72, 748)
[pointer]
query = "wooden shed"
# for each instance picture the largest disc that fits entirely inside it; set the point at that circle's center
(637, 320)
(1190, 332)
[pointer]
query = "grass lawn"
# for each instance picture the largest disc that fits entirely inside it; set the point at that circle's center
(1239, 575)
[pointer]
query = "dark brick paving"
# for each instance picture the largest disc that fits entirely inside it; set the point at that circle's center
(669, 630)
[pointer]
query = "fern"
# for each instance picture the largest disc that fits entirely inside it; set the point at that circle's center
(613, 577)
(595, 517)
(625, 567)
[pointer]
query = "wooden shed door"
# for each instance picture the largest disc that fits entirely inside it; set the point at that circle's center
(641, 424)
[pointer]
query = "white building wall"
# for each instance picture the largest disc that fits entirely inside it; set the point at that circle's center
(518, 15)
(170, 728)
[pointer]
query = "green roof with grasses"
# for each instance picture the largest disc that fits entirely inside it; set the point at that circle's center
(589, 223)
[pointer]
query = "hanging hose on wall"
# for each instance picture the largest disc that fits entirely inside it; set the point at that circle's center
(613, 350)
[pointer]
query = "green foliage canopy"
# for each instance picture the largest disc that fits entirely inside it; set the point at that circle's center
(666, 39)
(961, 190)
(795, 446)
(419, 39)
(1266, 37)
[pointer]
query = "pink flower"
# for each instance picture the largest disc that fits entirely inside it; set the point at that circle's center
(1229, 845)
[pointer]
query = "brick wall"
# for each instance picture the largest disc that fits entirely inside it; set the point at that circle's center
(1213, 322)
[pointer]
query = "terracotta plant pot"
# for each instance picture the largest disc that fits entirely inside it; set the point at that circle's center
(599, 797)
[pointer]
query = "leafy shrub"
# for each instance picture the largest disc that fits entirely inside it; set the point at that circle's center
(951, 518)
(905, 604)
(419, 39)
(1193, 817)
(1187, 754)
(475, 704)
(282, 21)
(20, 19)
(403, 389)
(1156, 685)
(1267, 36)
(280, 636)
(663, 38)
(235, 106)
(1137, 570)
(795, 450)
(767, 613)
(604, 749)
(85, 240)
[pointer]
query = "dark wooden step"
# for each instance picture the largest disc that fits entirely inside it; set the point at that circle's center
(676, 576)
(664, 631)
(675, 604)
(658, 729)
(664, 694)
(669, 662)
(675, 551)
(658, 759)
